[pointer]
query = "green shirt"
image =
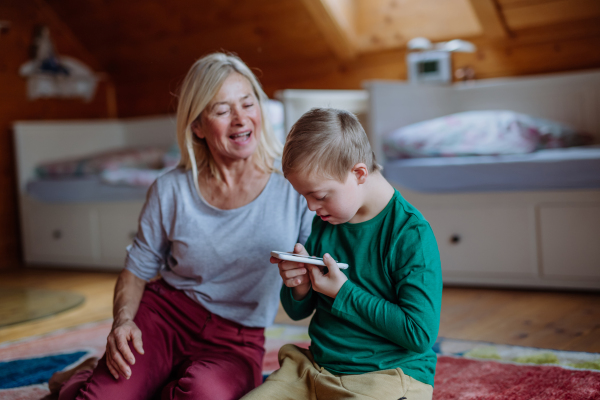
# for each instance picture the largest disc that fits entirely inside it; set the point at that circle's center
(387, 314)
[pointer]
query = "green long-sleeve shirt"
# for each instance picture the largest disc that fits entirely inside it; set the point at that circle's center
(387, 314)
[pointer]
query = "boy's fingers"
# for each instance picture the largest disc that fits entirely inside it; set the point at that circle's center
(299, 249)
(330, 263)
(315, 272)
(290, 265)
(292, 273)
(297, 281)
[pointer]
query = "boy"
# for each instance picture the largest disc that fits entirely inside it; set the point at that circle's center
(376, 322)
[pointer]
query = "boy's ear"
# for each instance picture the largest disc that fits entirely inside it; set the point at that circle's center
(360, 172)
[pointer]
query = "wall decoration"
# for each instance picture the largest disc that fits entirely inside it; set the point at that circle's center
(50, 75)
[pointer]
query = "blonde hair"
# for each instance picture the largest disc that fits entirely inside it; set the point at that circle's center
(201, 84)
(327, 141)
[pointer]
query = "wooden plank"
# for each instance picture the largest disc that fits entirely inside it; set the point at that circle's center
(390, 24)
(517, 3)
(491, 19)
(516, 58)
(48, 13)
(97, 287)
(552, 12)
(582, 29)
(333, 32)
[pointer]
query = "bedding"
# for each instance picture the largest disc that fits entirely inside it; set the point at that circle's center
(476, 133)
(116, 175)
(570, 168)
(142, 157)
(82, 189)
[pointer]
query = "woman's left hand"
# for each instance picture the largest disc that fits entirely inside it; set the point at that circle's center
(330, 283)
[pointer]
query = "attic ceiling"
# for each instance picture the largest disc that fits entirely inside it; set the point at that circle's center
(148, 39)
(150, 44)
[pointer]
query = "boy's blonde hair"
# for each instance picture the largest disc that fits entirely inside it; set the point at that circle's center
(329, 141)
(201, 84)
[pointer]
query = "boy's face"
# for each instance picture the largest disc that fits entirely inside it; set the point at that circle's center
(334, 201)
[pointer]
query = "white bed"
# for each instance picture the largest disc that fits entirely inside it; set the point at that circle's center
(80, 222)
(81, 234)
(518, 237)
(505, 234)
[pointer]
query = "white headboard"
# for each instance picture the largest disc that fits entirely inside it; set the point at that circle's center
(572, 98)
(39, 141)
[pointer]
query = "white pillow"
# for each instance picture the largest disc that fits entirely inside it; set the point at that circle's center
(480, 133)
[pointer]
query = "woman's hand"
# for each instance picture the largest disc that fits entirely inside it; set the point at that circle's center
(294, 275)
(330, 283)
(118, 354)
(128, 295)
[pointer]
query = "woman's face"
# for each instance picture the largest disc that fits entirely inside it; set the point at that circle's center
(231, 123)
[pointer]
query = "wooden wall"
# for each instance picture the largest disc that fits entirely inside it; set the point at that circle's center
(146, 48)
(24, 15)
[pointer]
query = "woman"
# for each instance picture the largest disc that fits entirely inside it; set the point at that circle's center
(208, 227)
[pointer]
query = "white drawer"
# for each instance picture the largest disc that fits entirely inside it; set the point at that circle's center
(485, 242)
(118, 227)
(58, 233)
(570, 240)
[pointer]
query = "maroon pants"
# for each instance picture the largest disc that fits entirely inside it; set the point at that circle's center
(189, 354)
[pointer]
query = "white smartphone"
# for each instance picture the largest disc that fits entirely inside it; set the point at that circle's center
(282, 255)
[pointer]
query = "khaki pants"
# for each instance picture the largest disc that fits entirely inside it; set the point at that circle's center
(301, 378)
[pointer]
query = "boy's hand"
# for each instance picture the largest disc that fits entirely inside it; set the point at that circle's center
(294, 274)
(329, 284)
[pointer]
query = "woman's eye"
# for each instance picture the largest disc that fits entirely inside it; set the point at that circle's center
(322, 198)
(248, 105)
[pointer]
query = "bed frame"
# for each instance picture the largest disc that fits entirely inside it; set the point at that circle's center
(80, 235)
(546, 239)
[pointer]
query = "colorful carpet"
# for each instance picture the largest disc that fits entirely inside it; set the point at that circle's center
(466, 370)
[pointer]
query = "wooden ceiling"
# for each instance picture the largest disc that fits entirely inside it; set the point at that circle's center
(146, 46)
(138, 40)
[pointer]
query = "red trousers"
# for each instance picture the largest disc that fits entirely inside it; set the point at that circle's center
(189, 354)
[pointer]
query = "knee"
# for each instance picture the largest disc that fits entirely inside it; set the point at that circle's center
(202, 383)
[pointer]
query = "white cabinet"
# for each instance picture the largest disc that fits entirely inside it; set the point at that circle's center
(57, 233)
(82, 235)
(484, 241)
(570, 240)
(544, 239)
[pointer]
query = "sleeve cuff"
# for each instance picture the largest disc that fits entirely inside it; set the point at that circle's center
(298, 303)
(341, 300)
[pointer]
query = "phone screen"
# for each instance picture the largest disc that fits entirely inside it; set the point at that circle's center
(303, 256)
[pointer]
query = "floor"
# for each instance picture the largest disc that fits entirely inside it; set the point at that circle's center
(546, 319)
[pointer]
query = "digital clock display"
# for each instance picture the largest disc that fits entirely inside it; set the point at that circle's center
(428, 67)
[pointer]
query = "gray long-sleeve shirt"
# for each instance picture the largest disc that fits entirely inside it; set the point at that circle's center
(219, 258)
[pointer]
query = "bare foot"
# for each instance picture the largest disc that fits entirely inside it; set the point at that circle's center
(59, 378)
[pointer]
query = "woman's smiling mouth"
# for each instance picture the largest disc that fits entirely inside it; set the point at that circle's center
(241, 137)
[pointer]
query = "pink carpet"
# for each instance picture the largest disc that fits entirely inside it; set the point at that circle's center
(464, 379)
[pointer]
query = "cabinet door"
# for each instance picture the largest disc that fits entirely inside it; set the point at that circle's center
(570, 240)
(60, 233)
(485, 242)
(118, 227)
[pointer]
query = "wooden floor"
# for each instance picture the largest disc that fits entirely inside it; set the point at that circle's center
(558, 320)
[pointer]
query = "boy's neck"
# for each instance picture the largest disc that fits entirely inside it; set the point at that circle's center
(377, 193)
